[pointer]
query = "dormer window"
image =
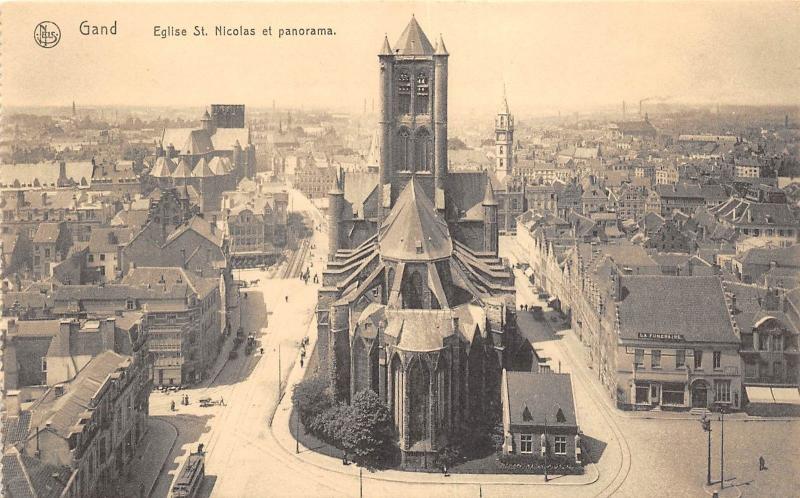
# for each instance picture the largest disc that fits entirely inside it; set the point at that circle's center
(560, 416)
(130, 304)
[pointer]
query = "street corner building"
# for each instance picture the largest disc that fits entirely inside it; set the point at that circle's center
(539, 415)
(415, 303)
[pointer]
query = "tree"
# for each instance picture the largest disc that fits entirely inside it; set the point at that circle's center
(311, 397)
(368, 435)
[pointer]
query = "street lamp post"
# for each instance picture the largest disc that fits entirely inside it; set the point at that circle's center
(297, 431)
(706, 424)
(722, 448)
(545, 448)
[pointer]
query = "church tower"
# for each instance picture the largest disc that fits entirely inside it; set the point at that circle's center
(413, 116)
(504, 140)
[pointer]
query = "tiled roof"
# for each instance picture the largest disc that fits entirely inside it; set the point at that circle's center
(693, 307)
(163, 167)
(534, 397)
(25, 476)
(782, 256)
(413, 230)
(413, 41)
(64, 412)
(175, 281)
(226, 138)
(16, 428)
(47, 233)
(202, 170)
(45, 173)
(202, 227)
(182, 170)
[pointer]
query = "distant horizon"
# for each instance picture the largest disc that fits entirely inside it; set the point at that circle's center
(564, 56)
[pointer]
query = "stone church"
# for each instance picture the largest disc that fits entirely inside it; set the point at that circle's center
(415, 303)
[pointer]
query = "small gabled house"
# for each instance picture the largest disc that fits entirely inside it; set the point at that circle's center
(539, 415)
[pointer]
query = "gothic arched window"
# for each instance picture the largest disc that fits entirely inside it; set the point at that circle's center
(443, 394)
(403, 93)
(419, 401)
(423, 92)
(423, 150)
(413, 291)
(398, 390)
(404, 151)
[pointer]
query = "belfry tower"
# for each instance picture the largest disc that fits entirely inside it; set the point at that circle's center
(504, 140)
(413, 116)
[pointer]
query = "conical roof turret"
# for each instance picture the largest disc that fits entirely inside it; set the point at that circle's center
(440, 47)
(386, 49)
(488, 196)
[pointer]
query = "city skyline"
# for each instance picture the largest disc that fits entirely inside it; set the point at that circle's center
(546, 54)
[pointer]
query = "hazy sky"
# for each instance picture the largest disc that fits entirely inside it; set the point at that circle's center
(551, 55)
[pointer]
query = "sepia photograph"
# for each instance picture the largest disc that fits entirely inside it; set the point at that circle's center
(435, 249)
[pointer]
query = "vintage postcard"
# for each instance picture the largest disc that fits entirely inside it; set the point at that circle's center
(400, 249)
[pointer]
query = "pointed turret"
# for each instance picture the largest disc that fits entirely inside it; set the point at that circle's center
(413, 40)
(488, 196)
(490, 229)
(207, 122)
(441, 49)
(504, 109)
(386, 49)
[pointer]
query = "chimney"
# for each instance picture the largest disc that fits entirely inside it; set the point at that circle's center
(107, 327)
(62, 172)
(183, 257)
(12, 403)
(44, 198)
(64, 332)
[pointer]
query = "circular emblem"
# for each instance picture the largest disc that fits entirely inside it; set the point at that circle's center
(47, 34)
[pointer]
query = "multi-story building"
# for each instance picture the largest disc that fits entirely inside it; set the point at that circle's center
(255, 219)
(687, 197)
(85, 430)
(763, 214)
(314, 179)
(767, 320)
(50, 244)
(747, 168)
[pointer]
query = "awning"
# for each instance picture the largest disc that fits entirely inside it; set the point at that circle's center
(786, 395)
(782, 395)
(552, 300)
(529, 272)
(759, 394)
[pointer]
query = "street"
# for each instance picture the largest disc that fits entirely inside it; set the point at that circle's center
(634, 453)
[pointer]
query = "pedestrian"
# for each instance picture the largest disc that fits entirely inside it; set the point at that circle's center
(221, 401)
(762, 464)
(172, 405)
(301, 362)
(187, 400)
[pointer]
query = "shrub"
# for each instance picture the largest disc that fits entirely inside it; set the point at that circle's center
(368, 434)
(311, 397)
(534, 464)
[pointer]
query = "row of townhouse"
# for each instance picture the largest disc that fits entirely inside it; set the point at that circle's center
(77, 401)
(657, 340)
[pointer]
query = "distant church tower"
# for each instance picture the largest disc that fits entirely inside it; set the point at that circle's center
(504, 140)
(413, 116)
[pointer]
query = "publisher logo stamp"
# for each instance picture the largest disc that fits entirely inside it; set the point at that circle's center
(47, 34)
